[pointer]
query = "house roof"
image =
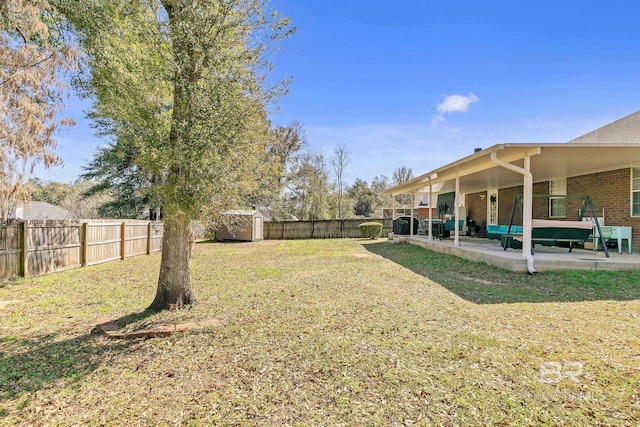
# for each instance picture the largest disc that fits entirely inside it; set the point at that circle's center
(582, 156)
(625, 131)
(44, 210)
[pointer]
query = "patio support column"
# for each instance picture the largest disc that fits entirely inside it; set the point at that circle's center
(430, 211)
(393, 212)
(456, 213)
(527, 208)
(413, 203)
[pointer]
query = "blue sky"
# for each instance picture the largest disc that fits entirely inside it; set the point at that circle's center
(422, 83)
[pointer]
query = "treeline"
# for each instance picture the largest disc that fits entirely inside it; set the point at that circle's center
(294, 183)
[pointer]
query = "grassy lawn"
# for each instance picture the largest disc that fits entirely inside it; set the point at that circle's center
(333, 332)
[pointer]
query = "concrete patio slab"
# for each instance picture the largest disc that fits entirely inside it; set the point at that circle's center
(545, 258)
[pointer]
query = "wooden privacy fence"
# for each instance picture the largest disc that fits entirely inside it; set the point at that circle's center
(30, 248)
(326, 229)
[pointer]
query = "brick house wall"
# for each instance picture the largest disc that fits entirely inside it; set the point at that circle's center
(505, 202)
(610, 191)
(476, 204)
(423, 212)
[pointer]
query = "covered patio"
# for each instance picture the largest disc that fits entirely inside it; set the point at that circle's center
(511, 165)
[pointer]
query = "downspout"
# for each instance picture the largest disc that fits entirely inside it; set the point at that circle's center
(456, 214)
(413, 203)
(430, 210)
(527, 205)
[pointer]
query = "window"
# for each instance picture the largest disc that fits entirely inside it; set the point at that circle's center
(558, 205)
(635, 191)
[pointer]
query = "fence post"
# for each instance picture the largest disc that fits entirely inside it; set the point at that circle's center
(149, 238)
(85, 235)
(122, 239)
(23, 246)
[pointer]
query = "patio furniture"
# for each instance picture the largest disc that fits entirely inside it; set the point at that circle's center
(551, 233)
(618, 233)
(495, 232)
(402, 225)
(423, 227)
(449, 224)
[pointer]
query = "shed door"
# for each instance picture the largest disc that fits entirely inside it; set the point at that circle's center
(257, 235)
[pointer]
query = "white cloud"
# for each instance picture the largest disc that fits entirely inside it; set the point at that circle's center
(453, 104)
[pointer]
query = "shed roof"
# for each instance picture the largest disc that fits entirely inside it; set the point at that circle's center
(242, 212)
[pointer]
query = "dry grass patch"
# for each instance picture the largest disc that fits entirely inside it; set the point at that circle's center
(335, 332)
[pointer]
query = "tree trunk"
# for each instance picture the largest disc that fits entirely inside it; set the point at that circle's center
(174, 282)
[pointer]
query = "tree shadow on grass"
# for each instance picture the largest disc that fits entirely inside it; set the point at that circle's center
(484, 284)
(28, 365)
(135, 317)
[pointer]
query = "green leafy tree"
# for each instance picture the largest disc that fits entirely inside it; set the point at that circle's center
(364, 198)
(129, 189)
(50, 192)
(184, 84)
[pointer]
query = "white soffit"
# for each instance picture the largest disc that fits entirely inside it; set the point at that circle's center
(548, 161)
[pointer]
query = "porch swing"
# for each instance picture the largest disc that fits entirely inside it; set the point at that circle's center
(553, 233)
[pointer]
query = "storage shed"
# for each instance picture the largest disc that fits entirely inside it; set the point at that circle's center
(242, 225)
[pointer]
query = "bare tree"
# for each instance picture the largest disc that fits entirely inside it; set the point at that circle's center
(339, 163)
(402, 174)
(32, 56)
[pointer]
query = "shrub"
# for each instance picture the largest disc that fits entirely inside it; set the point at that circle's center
(370, 229)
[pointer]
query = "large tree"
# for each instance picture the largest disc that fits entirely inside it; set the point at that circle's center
(183, 83)
(33, 55)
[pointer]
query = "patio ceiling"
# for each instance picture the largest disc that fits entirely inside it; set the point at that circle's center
(548, 161)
